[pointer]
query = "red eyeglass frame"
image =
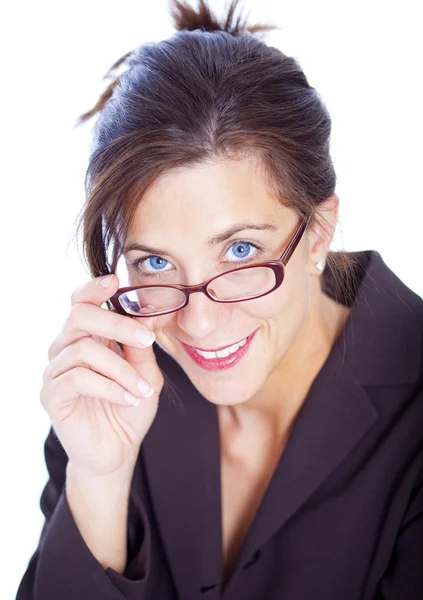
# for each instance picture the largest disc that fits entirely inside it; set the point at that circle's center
(278, 267)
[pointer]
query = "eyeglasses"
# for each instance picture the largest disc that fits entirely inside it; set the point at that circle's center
(237, 285)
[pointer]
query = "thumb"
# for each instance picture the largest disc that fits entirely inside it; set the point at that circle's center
(143, 359)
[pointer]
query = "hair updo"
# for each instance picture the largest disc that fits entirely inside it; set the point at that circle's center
(211, 90)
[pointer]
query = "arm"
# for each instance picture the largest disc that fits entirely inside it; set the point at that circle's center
(100, 509)
(82, 552)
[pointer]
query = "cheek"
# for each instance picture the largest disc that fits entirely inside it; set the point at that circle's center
(164, 328)
(163, 324)
(164, 321)
(290, 301)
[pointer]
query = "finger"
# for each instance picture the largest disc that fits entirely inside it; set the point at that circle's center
(82, 383)
(91, 354)
(87, 319)
(96, 291)
(144, 362)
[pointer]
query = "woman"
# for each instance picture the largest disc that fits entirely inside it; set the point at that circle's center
(269, 444)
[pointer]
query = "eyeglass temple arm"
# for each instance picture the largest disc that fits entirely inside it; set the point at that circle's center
(294, 242)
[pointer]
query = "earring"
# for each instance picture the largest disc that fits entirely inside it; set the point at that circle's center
(320, 265)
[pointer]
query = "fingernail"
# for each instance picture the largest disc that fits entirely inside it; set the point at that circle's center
(106, 281)
(131, 399)
(145, 389)
(145, 337)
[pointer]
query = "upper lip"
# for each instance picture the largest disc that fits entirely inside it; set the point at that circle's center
(220, 348)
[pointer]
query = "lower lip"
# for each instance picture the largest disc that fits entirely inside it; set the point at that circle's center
(219, 364)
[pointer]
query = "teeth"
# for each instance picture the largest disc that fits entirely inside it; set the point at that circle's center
(222, 353)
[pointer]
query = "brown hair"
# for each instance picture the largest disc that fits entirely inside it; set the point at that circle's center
(211, 90)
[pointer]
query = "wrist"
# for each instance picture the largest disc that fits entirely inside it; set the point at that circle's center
(104, 477)
(99, 506)
(105, 489)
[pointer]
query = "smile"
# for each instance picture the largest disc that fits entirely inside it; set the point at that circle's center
(221, 359)
(222, 353)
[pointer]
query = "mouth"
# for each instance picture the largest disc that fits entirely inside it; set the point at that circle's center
(222, 358)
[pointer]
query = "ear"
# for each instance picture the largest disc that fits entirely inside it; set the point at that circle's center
(321, 232)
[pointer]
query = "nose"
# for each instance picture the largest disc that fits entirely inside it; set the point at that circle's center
(201, 317)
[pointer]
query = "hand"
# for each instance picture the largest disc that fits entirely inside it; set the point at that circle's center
(85, 382)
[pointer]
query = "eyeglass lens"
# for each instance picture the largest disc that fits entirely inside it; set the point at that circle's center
(238, 285)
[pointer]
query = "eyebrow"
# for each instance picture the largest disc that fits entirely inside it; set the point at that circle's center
(213, 241)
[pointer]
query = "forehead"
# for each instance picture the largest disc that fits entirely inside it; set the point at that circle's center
(209, 197)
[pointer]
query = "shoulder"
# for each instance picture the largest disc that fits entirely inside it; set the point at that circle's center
(385, 328)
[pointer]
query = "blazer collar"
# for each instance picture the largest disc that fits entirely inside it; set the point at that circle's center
(382, 339)
(181, 451)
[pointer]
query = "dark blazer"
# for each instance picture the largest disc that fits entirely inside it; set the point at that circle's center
(342, 518)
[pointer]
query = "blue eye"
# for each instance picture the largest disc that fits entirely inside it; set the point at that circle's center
(242, 250)
(156, 263)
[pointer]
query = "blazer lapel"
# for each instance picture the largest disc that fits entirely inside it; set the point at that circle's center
(336, 415)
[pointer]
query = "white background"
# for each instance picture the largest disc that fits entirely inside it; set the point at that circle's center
(365, 58)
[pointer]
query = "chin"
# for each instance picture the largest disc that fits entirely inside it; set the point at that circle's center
(226, 394)
(231, 387)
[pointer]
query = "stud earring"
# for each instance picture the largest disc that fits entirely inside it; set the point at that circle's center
(320, 265)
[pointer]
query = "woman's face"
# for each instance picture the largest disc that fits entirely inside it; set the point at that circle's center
(179, 216)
